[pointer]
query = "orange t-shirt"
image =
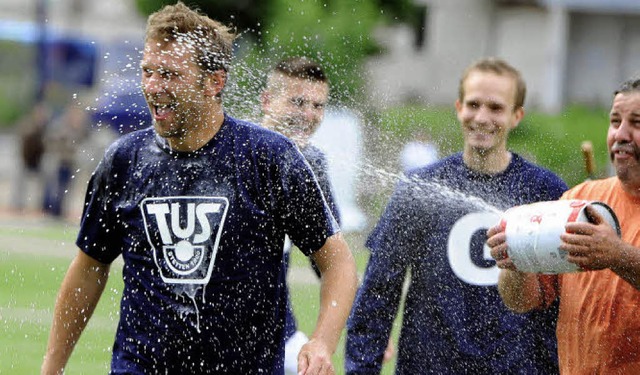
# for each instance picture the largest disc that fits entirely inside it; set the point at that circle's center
(599, 320)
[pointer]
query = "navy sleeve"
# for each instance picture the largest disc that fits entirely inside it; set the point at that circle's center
(542, 184)
(307, 217)
(556, 186)
(99, 230)
(320, 168)
(378, 298)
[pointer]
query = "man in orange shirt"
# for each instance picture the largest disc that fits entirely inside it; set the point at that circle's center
(598, 324)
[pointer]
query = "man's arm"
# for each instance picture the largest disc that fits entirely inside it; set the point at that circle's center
(79, 294)
(628, 264)
(596, 246)
(376, 306)
(520, 291)
(338, 287)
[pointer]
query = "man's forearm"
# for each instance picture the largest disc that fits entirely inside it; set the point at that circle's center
(78, 296)
(520, 291)
(336, 298)
(338, 288)
(628, 266)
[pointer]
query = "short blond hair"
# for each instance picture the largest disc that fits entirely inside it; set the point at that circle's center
(499, 67)
(212, 40)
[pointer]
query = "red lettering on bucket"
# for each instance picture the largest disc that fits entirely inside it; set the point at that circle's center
(574, 213)
(577, 204)
(536, 219)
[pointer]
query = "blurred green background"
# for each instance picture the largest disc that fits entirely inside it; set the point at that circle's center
(340, 35)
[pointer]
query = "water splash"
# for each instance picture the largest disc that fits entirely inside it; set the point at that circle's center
(190, 291)
(428, 188)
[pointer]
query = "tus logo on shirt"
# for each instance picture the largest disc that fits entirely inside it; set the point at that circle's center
(184, 233)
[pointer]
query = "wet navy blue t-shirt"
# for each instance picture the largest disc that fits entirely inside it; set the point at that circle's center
(454, 321)
(320, 166)
(201, 234)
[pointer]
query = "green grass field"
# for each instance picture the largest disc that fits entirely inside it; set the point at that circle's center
(31, 275)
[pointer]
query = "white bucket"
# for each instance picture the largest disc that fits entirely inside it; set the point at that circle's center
(533, 233)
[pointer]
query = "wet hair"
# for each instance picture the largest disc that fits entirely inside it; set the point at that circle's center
(499, 67)
(213, 41)
(628, 86)
(300, 67)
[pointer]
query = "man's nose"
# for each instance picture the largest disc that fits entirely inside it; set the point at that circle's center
(483, 115)
(623, 133)
(310, 113)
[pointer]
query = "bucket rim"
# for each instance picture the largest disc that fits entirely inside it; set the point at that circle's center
(612, 214)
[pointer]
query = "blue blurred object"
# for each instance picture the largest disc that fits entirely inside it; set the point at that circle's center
(70, 61)
(122, 109)
(73, 62)
(24, 32)
(121, 105)
(65, 59)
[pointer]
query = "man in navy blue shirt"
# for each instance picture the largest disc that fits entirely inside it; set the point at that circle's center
(293, 103)
(198, 206)
(454, 321)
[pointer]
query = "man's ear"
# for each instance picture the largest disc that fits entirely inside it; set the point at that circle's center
(519, 114)
(458, 106)
(265, 100)
(214, 83)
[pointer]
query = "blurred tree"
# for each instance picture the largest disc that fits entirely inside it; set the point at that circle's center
(251, 14)
(242, 14)
(337, 33)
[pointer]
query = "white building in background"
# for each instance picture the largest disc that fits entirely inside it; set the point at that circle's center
(345, 157)
(569, 51)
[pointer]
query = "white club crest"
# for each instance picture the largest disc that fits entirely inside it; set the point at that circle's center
(184, 233)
